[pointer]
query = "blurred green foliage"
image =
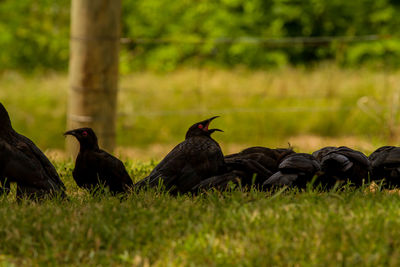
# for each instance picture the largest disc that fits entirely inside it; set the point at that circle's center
(34, 34)
(257, 107)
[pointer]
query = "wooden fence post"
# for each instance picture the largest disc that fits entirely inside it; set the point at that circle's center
(93, 69)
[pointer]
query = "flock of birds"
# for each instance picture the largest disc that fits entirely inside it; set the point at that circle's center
(194, 165)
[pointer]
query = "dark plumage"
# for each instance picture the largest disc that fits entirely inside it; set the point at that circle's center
(220, 182)
(267, 157)
(250, 167)
(190, 162)
(253, 173)
(94, 167)
(244, 171)
(341, 164)
(385, 162)
(295, 170)
(22, 162)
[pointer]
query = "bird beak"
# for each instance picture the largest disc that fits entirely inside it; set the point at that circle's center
(210, 119)
(214, 130)
(208, 123)
(72, 132)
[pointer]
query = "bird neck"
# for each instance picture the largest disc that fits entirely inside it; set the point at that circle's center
(5, 124)
(197, 134)
(6, 132)
(89, 147)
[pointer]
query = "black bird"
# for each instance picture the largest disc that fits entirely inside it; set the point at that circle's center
(385, 162)
(266, 157)
(341, 164)
(250, 167)
(244, 171)
(220, 182)
(295, 170)
(95, 167)
(190, 162)
(23, 163)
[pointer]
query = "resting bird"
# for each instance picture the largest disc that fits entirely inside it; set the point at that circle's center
(342, 163)
(250, 167)
(190, 162)
(246, 172)
(22, 162)
(220, 182)
(295, 170)
(95, 167)
(268, 158)
(385, 162)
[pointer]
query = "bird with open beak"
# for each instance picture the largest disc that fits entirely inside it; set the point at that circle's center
(195, 159)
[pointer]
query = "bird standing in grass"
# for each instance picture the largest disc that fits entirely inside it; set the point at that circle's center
(22, 162)
(95, 167)
(190, 162)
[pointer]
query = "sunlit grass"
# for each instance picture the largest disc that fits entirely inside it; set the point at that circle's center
(271, 107)
(350, 227)
(309, 109)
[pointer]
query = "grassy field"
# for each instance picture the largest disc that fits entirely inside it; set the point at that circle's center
(307, 107)
(354, 228)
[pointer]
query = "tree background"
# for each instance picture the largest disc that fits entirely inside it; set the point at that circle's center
(35, 34)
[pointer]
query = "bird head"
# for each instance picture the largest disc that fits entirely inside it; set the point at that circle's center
(5, 122)
(86, 137)
(201, 128)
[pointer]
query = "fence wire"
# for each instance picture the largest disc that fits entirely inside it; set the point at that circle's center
(165, 113)
(271, 42)
(266, 42)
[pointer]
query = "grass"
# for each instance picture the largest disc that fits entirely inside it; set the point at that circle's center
(309, 108)
(350, 227)
(315, 106)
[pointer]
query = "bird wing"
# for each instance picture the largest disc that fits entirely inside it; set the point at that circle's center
(258, 149)
(261, 158)
(201, 161)
(219, 182)
(188, 163)
(279, 179)
(112, 170)
(275, 154)
(299, 162)
(252, 171)
(25, 145)
(336, 162)
(20, 168)
(378, 157)
(378, 161)
(393, 157)
(206, 157)
(164, 169)
(319, 154)
(354, 156)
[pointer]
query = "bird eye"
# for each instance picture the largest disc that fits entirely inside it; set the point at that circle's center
(84, 133)
(200, 126)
